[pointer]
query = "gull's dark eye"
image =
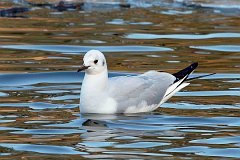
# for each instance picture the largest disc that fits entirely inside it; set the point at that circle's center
(95, 61)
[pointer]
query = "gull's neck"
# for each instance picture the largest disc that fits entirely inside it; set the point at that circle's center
(95, 83)
(94, 92)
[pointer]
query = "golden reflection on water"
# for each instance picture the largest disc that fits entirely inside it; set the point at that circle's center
(46, 112)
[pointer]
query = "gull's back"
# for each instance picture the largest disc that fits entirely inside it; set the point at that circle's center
(140, 93)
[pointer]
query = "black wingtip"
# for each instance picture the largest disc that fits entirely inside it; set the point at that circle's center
(186, 71)
(194, 65)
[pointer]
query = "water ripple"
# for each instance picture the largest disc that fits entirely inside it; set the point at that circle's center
(47, 149)
(209, 93)
(47, 77)
(141, 145)
(223, 48)
(3, 94)
(48, 131)
(207, 151)
(181, 36)
(71, 49)
(220, 140)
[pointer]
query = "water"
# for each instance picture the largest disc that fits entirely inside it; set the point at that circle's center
(39, 86)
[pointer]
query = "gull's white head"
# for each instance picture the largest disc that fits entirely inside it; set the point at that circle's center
(94, 62)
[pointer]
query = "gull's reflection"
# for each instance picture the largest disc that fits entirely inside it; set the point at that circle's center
(98, 134)
(105, 132)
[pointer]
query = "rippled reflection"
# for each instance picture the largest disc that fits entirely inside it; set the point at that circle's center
(42, 47)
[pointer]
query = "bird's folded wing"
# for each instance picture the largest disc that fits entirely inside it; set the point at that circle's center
(148, 88)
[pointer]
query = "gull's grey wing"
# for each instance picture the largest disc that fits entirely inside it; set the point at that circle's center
(139, 92)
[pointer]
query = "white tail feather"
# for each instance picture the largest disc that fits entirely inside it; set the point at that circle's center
(172, 90)
(174, 86)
